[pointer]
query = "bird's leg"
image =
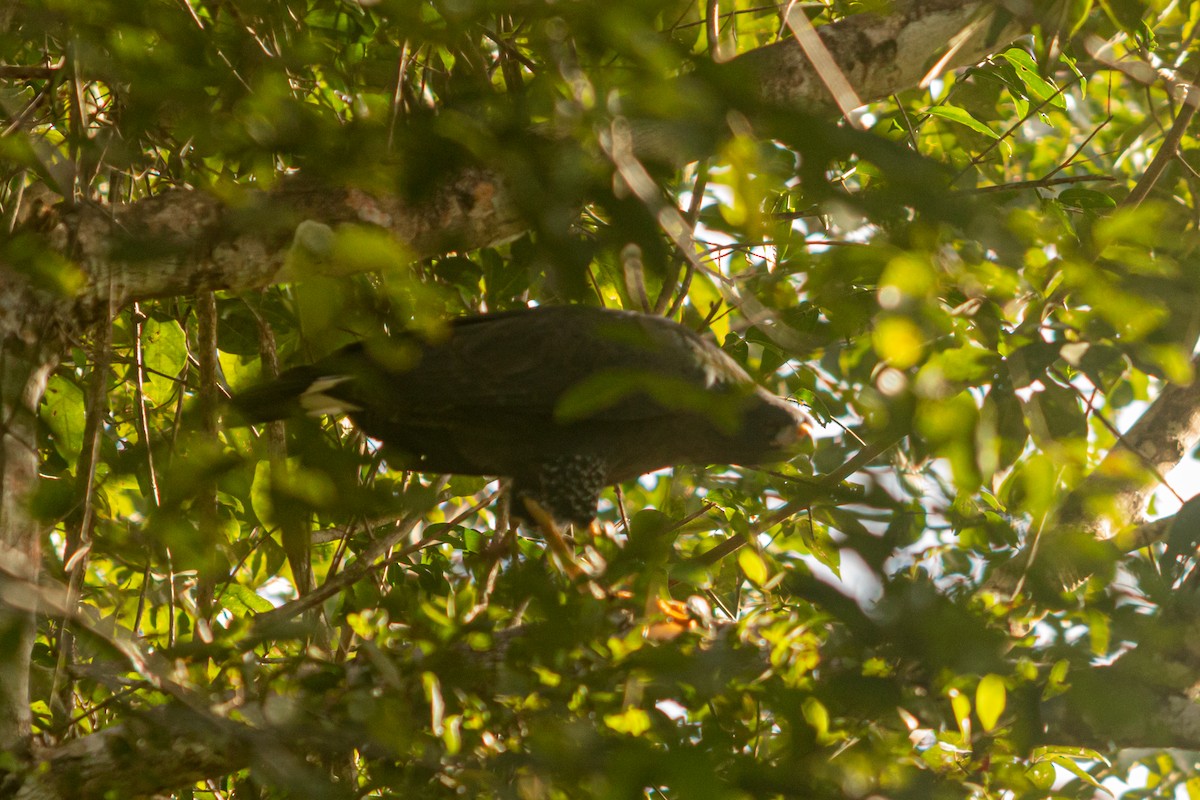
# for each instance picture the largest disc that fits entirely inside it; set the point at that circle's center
(554, 538)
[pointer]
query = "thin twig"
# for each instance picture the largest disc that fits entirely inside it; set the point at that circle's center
(206, 498)
(1041, 183)
(693, 217)
(1111, 428)
(1168, 151)
(364, 565)
(735, 542)
(143, 428)
(79, 540)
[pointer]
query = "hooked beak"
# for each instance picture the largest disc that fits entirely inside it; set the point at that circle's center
(803, 429)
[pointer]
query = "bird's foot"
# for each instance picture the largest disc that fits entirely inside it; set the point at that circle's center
(562, 550)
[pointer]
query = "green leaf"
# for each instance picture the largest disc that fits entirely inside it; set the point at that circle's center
(898, 341)
(961, 706)
(278, 488)
(1002, 410)
(65, 414)
(1055, 414)
(753, 566)
(633, 721)
(1080, 772)
(43, 266)
(817, 716)
(990, 699)
(164, 353)
(1069, 751)
(960, 115)
(1029, 363)
(1103, 364)
(1099, 632)
(969, 365)
(1038, 87)
(1128, 14)
(363, 249)
(950, 427)
(1090, 199)
(239, 599)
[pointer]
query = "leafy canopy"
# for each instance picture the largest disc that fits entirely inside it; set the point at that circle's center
(957, 284)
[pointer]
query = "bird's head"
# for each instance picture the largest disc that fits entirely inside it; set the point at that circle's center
(770, 430)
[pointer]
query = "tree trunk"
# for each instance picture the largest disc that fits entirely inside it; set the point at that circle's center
(24, 370)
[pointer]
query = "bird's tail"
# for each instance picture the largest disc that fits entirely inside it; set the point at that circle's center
(277, 399)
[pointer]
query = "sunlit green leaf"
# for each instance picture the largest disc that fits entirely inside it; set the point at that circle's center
(961, 706)
(1039, 88)
(633, 721)
(899, 342)
(752, 565)
(165, 353)
(65, 414)
(240, 600)
(962, 117)
(990, 700)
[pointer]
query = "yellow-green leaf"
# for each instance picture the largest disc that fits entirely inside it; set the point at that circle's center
(1080, 772)
(64, 413)
(817, 715)
(955, 114)
(240, 599)
(1026, 68)
(165, 353)
(990, 698)
(633, 721)
(961, 706)
(898, 341)
(753, 566)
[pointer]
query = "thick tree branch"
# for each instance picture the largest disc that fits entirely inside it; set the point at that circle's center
(1113, 497)
(184, 746)
(113, 761)
(183, 241)
(1109, 503)
(878, 54)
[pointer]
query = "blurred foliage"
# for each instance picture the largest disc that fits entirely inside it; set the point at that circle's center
(960, 277)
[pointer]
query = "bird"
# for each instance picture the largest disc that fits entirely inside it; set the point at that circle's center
(563, 400)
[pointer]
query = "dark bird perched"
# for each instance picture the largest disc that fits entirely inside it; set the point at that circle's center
(564, 400)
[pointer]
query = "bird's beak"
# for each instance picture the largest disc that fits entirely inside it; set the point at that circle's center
(789, 437)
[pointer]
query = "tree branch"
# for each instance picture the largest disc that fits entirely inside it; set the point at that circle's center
(1108, 504)
(184, 241)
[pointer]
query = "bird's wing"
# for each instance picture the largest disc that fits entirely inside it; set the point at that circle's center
(543, 363)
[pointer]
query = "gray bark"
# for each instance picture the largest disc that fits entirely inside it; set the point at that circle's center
(24, 369)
